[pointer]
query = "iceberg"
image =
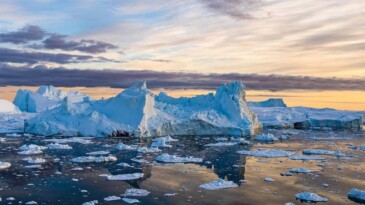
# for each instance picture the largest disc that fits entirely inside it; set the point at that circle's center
(136, 192)
(138, 112)
(308, 118)
(4, 165)
(7, 107)
(271, 102)
(266, 138)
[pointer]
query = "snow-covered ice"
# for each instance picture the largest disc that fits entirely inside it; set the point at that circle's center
(266, 138)
(31, 149)
(305, 157)
(58, 146)
(269, 153)
(136, 192)
(7, 107)
(218, 184)
(94, 202)
(322, 152)
(122, 177)
(112, 198)
(121, 146)
(98, 153)
(130, 201)
(4, 165)
(176, 159)
(268, 179)
(89, 159)
(36, 160)
(221, 144)
(302, 170)
(310, 197)
(81, 140)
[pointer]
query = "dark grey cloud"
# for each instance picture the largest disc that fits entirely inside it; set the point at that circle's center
(57, 41)
(239, 9)
(40, 75)
(23, 35)
(45, 40)
(16, 56)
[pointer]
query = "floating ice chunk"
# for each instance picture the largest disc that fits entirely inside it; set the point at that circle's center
(240, 140)
(302, 170)
(289, 203)
(112, 198)
(77, 169)
(136, 192)
(148, 149)
(31, 149)
(122, 177)
(130, 201)
(123, 164)
(266, 138)
(2, 139)
(91, 202)
(218, 184)
(220, 144)
(322, 152)
(310, 197)
(325, 185)
(35, 160)
(58, 146)
(221, 139)
(4, 165)
(81, 140)
(175, 159)
(268, 179)
(121, 146)
(139, 160)
(10, 199)
(356, 195)
(13, 135)
(305, 157)
(98, 153)
(160, 142)
(269, 153)
(89, 159)
(34, 166)
(170, 194)
(31, 202)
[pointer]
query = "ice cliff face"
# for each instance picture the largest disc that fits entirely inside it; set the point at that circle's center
(7, 107)
(137, 111)
(271, 102)
(45, 98)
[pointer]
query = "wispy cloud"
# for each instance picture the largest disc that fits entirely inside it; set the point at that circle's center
(171, 80)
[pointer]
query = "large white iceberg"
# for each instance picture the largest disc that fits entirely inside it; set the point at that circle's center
(138, 112)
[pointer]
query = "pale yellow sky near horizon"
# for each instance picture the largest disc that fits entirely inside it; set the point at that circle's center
(343, 100)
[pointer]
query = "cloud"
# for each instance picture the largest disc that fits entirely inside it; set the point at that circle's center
(23, 35)
(32, 33)
(16, 56)
(25, 76)
(239, 9)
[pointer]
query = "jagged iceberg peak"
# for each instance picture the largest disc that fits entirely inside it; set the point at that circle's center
(51, 92)
(236, 88)
(139, 88)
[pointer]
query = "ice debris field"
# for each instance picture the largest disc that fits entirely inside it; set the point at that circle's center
(138, 147)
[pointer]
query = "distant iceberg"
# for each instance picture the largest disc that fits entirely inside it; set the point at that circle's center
(271, 102)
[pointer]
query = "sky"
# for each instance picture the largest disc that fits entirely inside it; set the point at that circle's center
(276, 47)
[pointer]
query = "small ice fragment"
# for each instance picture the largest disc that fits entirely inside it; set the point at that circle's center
(302, 170)
(218, 184)
(221, 144)
(305, 157)
(266, 138)
(122, 146)
(4, 165)
(112, 198)
(136, 192)
(175, 159)
(310, 197)
(58, 146)
(170, 194)
(356, 195)
(268, 179)
(130, 201)
(98, 153)
(91, 202)
(90, 159)
(31, 202)
(124, 176)
(268, 153)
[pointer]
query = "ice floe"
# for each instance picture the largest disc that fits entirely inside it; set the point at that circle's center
(122, 146)
(266, 138)
(58, 146)
(94, 202)
(148, 149)
(268, 153)
(4, 165)
(112, 198)
(221, 144)
(130, 201)
(176, 159)
(322, 152)
(268, 179)
(218, 184)
(302, 170)
(89, 159)
(98, 153)
(305, 157)
(81, 140)
(310, 197)
(31, 149)
(136, 192)
(36, 160)
(122, 177)
(356, 195)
